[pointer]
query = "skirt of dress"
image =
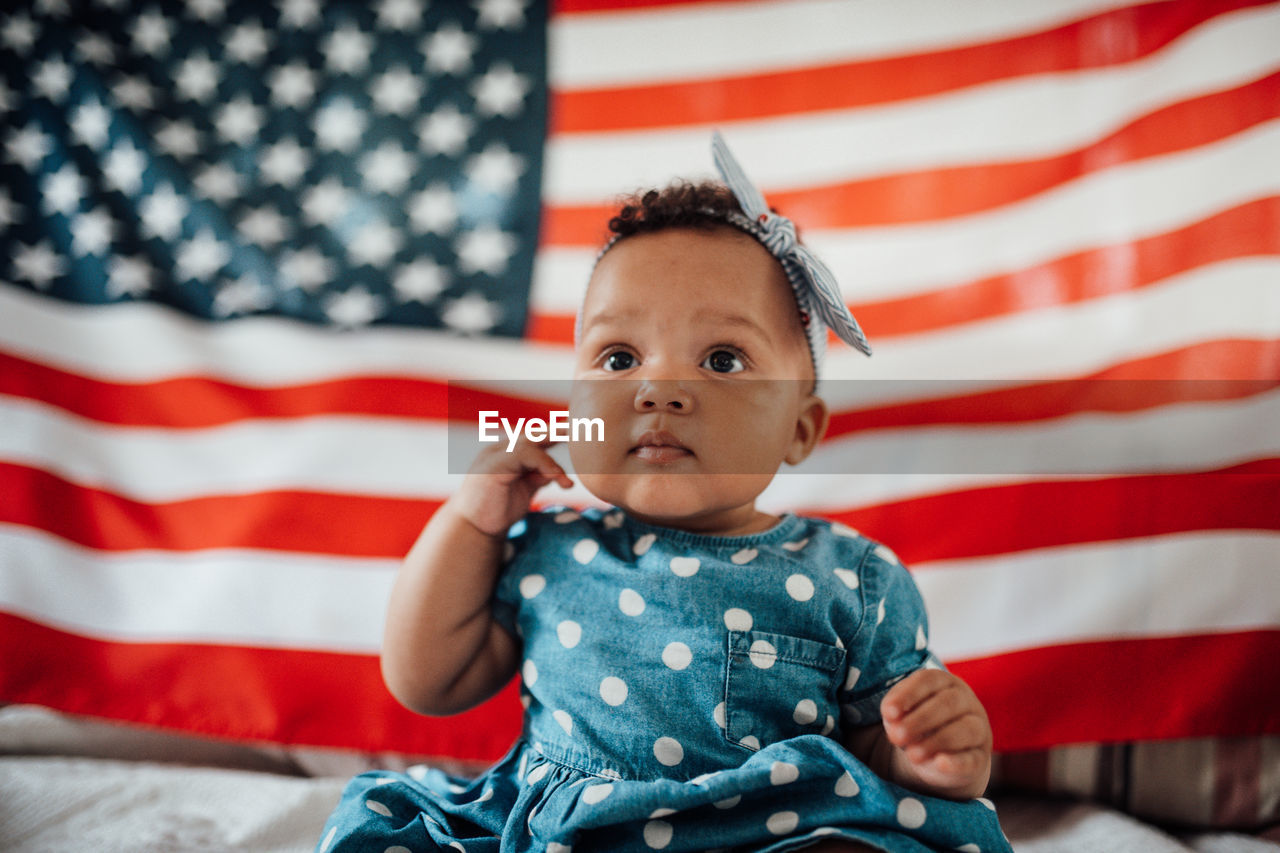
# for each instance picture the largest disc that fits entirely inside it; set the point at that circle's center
(789, 795)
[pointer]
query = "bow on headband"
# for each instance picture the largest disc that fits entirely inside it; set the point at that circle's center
(815, 286)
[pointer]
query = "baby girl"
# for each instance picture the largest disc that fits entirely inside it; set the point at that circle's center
(696, 674)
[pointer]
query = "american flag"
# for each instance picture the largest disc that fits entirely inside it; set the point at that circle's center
(246, 247)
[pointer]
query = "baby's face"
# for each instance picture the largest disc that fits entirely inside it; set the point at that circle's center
(692, 353)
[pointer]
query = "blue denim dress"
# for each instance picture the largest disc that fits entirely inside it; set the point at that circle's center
(684, 693)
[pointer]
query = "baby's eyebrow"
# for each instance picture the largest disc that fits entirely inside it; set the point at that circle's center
(737, 320)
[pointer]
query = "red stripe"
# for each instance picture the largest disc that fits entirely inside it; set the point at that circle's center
(934, 194)
(1248, 230)
(1077, 46)
(282, 695)
(577, 7)
(1238, 498)
(1107, 392)
(194, 402)
(1048, 514)
(291, 521)
(1087, 692)
(1129, 689)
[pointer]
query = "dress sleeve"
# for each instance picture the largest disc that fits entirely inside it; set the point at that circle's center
(891, 641)
(505, 603)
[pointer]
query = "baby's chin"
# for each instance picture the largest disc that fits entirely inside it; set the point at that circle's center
(677, 500)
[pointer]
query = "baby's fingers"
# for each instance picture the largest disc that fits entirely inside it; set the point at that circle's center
(931, 713)
(534, 458)
(960, 735)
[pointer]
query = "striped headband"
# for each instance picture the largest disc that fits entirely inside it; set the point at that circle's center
(814, 285)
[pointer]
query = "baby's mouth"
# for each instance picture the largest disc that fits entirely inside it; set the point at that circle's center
(660, 447)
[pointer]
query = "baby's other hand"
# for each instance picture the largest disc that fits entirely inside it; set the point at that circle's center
(500, 485)
(941, 730)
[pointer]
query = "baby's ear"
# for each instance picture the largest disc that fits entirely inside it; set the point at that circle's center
(811, 425)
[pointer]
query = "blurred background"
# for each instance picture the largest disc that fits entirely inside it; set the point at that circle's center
(246, 247)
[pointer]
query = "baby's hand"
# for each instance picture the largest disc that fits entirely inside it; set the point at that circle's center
(498, 488)
(942, 731)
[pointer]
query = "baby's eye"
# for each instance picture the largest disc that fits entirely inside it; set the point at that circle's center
(619, 360)
(724, 361)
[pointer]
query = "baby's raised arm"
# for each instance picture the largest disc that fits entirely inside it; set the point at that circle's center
(442, 651)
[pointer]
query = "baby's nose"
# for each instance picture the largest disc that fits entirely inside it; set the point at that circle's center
(658, 395)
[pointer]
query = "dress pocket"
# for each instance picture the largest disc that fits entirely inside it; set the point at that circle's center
(778, 686)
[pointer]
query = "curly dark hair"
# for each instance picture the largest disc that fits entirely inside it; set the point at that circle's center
(682, 204)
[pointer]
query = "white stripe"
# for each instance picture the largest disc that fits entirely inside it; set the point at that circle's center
(648, 46)
(1141, 199)
(401, 458)
(1152, 587)
(1180, 437)
(1232, 299)
(146, 342)
(1024, 118)
(1185, 583)
(258, 598)
(1083, 337)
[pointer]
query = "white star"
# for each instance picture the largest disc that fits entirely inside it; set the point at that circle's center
(496, 169)
(202, 256)
(179, 139)
(128, 276)
(326, 202)
(396, 92)
(28, 147)
(485, 249)
(500, 91)
(218, 183)
(7, 215)
(420, 281)
(434, 210)
(445, 131)
(248, 43)
(91, 124)
(339, 125)
(401, 15)
(285, 162)
(239, 121)
(347, 50)
(63, 190)
(197, 77)
(151, 34)
(470, 314)
(123, 167)
(133, 93)
(448, 50)
(96, 48)
(499, 14)
(19, 33)
(241, 296)
(162, 213)
(52, 79)
(307, 269)
(299, 13)
(354, 307)
(209, 11)
(374, 243)
(52, 8)
(38, 264)
(292, 85)
(264, 226)
(92, 232)
(387, 168)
